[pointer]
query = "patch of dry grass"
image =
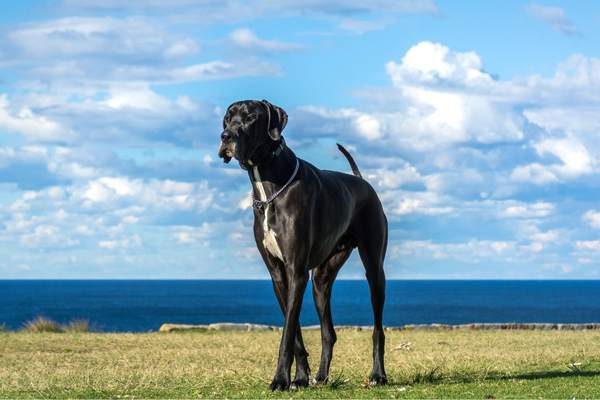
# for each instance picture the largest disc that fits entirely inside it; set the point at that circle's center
(240, 364)
(46, 325)
(77, 325)
(42, 324)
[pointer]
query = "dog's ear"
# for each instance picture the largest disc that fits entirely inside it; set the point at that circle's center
(277, 119)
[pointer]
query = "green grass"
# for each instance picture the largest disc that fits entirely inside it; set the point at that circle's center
(465, 364)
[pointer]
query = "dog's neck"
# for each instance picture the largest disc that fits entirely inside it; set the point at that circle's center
(269, 177)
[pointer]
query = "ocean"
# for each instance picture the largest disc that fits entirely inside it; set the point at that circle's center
(143, 305)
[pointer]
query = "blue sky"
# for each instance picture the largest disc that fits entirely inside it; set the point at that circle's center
(477, 123)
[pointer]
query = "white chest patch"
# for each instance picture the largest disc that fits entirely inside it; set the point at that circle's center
(269, 238)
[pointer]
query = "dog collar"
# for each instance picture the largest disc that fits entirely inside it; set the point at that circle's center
(260, 205)
(274, 154)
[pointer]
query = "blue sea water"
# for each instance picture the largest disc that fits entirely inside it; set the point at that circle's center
(143, 305)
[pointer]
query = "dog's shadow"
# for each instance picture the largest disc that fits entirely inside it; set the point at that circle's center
(547, 375)
(535, 375)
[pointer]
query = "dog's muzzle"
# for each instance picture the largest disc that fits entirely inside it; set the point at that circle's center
(225, 151)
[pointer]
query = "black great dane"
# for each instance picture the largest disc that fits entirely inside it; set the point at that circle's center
(306, 219)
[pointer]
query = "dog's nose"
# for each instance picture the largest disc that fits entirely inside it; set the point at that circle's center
(225, 136)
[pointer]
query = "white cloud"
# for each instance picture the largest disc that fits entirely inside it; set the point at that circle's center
(44, 236)
(431, 63)
(136, 96)
(472, 252)
(592, 217)
(215, 70)
(95, 52)
(132, 38)
(534, 247)
(525, 210)
(574, 156)
(246, 39)
(393, 177)
(572, 119)
(589, 245)
(573, 85)
(34, 127)
(550, 236)
(399, 202)
(245, 202)
(164, 195)
(533, 173)
(553, 16)
(186, 235)
(446, 100)
(363, 125)
(131, 242)
(440, 98)
(575, 161)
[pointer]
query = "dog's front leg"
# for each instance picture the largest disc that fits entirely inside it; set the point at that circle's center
(297, 280)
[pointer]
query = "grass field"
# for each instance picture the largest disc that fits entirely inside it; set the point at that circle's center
(465, 364)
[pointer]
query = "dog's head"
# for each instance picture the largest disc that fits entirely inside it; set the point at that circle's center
(251, 131)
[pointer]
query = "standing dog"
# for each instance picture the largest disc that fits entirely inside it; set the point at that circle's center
(306, 219)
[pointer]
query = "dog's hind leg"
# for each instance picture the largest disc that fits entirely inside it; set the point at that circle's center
(372, 245)
(323, 278)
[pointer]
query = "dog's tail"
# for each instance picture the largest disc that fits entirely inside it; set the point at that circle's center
(353, 165)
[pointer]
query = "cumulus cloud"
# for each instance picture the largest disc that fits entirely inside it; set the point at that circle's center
(111, 192)
(36, 128)
(432, 63)
(442, 98)
(573, 155)
(121, 244)
(592, 217)
(533, 173)
(575, 161)
(186, 235)
(589, 245)
(524, 210)
(401, 202)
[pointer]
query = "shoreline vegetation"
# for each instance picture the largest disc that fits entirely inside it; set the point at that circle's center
(420, 363)
(43, 324)
(247, 327)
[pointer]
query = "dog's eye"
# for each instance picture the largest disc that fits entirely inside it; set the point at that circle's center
(250, 118)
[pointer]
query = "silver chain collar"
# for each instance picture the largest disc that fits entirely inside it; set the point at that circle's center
(260, 205)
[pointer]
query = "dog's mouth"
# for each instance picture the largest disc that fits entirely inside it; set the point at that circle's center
(225, 153)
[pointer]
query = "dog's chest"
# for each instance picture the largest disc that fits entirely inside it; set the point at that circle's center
(269, 240)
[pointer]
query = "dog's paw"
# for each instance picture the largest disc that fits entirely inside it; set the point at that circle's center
(299, 383)
(320, 379)
(377, 379)
(279, 383)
